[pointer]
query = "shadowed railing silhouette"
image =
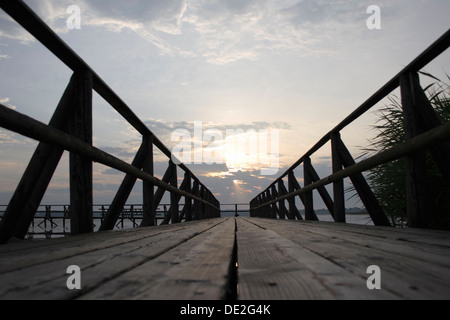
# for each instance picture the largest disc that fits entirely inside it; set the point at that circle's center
(424, 132)
(70, 129)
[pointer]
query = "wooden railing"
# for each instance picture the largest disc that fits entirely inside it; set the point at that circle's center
(424, 131)
(71, 129)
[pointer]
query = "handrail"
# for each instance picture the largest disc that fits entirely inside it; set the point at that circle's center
(421, 122)
(64, 132)
(431, 53)
(435, 136)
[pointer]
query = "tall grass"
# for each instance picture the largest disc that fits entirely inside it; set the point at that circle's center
(388, 181)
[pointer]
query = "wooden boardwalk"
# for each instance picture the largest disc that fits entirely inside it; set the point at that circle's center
(277, 260)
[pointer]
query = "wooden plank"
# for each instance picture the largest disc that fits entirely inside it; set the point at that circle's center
(81, 189)
(30, 253)
(412, 235)
(408, 271)
(272, 267)
(196, 269)
(47, 280)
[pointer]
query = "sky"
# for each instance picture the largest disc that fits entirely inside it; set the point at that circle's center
(283, 69)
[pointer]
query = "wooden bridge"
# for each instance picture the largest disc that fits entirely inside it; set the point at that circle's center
(276, 254)
(232, 258)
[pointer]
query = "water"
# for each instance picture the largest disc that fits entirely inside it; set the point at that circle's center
(57, 224)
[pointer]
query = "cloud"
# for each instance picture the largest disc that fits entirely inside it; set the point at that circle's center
(221, 32)
(5, 101)
(11, 30)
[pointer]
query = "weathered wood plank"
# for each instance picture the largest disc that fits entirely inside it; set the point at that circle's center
(48, 280)
(409, 271)
(196, 269)
(278, 259)
(31, 253)
(274, 267)
(412, 235)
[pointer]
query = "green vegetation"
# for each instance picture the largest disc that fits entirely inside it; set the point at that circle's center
(388, 181)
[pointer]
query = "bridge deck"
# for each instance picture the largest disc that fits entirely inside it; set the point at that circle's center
(277, 260)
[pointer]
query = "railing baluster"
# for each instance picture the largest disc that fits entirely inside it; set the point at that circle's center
(282, 192)
(121, 197)
(365, 193)
(419, 117)
(148, 189)
(309, 200)
(293, 211)
(338, 186)
(81, 192)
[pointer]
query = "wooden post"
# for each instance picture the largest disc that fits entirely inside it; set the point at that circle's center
(427, 119)
(209, 210)
(365, 193)
(297, 186)
(34, 182)
(322, 191)
(253, 204)
(81, 193)
(293, 211)
(202, 205)
(269, 212)
(148, 190)
(416, 167)
(188, 201)
(265, 209)
(258, 203)
(309, 201)
(283, 210)
(338, 187)
(174, 207)
(196, 207)
(275, 208)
